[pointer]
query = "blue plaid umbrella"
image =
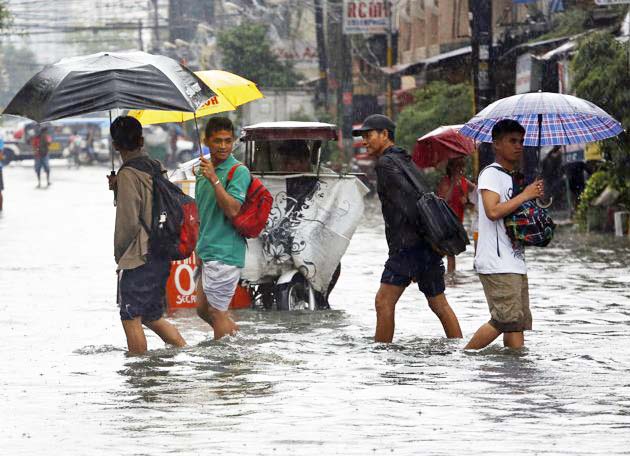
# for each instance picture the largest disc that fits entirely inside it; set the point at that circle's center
(549, 119)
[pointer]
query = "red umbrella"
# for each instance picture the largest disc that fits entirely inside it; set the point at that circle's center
(442, 144)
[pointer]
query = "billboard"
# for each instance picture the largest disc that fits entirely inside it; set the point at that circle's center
(362, 16)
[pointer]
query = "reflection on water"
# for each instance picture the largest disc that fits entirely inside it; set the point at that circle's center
(303, 382)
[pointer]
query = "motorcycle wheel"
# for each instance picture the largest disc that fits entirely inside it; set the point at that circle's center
(293, 295)
(264, 296)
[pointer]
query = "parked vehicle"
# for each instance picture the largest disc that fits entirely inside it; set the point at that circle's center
(85, 137)
(293, 262)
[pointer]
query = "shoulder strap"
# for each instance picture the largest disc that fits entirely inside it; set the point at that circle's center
(144, 164)
(409, 175)
(231, 172)
(500, 168)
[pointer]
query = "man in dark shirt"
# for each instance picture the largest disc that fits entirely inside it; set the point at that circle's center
(411, 258)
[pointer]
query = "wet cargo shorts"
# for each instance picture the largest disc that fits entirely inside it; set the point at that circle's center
(420, 264)
(508, 300)
(142, 291)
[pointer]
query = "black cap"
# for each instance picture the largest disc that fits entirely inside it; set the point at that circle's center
(375, 122)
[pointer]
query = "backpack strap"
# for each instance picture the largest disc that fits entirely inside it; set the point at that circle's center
(407, 172)
(231, 173)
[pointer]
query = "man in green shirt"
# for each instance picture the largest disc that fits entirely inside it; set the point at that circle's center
(220, 247)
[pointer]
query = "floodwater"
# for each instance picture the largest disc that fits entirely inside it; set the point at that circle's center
(299, 383)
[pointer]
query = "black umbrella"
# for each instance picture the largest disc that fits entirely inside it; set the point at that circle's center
(109, 80)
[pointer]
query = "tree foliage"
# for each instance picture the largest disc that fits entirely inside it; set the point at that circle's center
(17, 66)
(5, 17)
(246, 51)
(601, 74)
(436, 104)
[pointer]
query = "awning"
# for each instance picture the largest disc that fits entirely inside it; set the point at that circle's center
(564, 49)
(409, 67)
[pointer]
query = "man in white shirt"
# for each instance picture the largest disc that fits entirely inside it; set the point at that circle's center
(499, 263)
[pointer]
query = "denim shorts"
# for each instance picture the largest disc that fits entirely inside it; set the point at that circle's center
(142, 291)
(420, 264)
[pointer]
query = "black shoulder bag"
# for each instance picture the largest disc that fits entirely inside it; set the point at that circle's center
(440, 226)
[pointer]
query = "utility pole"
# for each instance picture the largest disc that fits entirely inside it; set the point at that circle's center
(345, 94)
(482, 53)
(482, 60)
(322, 83)
(156, 29)
(140, 42)
(389, 110)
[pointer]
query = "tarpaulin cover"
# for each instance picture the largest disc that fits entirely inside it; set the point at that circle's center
(310, 226)
(109, 80)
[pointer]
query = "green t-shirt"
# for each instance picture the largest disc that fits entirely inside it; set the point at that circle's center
(218, 240)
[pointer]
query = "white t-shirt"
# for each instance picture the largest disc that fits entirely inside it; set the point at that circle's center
(495, 253)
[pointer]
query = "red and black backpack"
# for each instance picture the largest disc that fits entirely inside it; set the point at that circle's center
(174, 229)
(252, 218)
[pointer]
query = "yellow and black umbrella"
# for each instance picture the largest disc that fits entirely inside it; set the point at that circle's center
(231, 91)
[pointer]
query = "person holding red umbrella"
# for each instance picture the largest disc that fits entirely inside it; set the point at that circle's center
(455, 188)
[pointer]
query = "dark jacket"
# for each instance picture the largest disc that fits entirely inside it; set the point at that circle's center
(398, 199)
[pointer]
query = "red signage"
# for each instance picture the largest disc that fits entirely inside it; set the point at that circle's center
(180, 288)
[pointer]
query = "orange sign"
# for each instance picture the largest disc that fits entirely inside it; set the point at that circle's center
(180, 288)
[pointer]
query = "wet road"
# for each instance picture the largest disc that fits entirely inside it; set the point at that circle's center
(300, 383)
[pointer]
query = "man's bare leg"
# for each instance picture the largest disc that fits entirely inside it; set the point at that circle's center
(514, 339)
(220, 321)
(385, 304)
(483, 337)
(450, 264)
(440, 307)
(136, 340)
(167, 332)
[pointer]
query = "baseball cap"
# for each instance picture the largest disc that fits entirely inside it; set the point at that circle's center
(375, 122)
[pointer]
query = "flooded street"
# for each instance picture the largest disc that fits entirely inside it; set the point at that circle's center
(307, 383)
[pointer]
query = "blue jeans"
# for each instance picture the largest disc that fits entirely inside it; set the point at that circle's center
(42, 163)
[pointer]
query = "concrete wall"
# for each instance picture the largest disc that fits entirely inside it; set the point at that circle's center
(430, 27)
(280, 104)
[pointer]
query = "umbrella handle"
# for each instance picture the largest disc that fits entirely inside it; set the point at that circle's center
(543, 205)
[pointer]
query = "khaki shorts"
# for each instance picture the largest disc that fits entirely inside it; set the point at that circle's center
(508, 300)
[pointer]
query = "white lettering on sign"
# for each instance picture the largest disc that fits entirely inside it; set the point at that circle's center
(178, 282)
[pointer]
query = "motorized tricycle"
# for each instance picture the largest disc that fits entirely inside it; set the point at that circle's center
(294, 263)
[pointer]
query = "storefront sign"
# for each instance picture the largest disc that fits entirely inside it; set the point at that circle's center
(360, 16)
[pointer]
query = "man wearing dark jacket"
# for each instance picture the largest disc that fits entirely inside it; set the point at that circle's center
(411, 258)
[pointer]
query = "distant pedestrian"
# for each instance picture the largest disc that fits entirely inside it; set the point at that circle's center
(411, 258)
(141, 277)
(499, 263)
(575, 172)
(220, 248)
(41, 143)
(455, 188)
(552, 174)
